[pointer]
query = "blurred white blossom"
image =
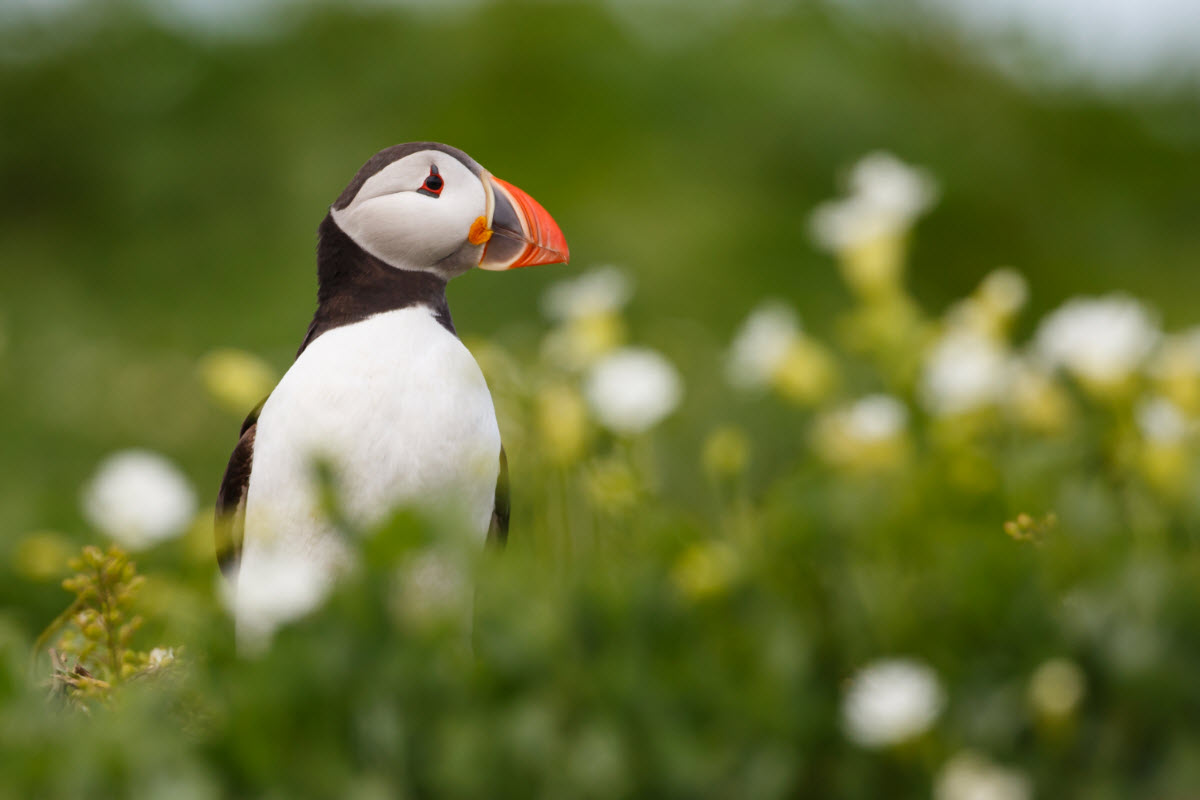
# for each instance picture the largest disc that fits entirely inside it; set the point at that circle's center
(587, 309)
(284, 587)
(890, 701)
(875, 417)
(1056, 687)
(138, 498)
(1102, 341)
(761, 344)
(892, 185)
(1004, 290)
(599, 291)
(867, 435)
(769, 349)
(161, 657)
(964, 371)
(969, 776)
(633, 389)
(1161, 421)
(885, 196)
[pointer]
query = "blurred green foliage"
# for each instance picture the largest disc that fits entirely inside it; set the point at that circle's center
(677, 614)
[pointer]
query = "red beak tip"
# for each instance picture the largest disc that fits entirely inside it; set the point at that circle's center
(545, 243)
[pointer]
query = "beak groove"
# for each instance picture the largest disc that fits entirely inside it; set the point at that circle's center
(524, 233)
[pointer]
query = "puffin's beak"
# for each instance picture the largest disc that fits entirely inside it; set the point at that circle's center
(522, 232)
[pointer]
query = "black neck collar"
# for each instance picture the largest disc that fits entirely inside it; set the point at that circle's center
(352, 285)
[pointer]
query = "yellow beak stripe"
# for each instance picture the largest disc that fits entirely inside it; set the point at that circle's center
(479, 232)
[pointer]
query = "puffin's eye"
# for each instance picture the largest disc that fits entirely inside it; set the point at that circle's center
(433, 184)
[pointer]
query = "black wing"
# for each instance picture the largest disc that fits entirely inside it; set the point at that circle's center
(498, 530)
(231, 499)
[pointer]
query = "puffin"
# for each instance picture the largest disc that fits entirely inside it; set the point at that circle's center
(383, 400)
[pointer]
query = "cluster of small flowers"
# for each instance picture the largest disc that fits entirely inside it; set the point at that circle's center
(628, 389)
(589, 378)
(893, 701)
(964, 365)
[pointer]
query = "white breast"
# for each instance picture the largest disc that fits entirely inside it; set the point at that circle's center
(397, 408)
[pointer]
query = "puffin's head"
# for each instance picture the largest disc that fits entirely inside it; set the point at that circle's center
(430, 207)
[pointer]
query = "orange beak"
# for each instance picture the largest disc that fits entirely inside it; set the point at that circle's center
(523, 233)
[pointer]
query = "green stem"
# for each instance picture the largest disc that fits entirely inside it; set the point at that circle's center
(107, 606)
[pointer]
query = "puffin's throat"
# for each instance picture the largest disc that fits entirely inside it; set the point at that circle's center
(352, 285)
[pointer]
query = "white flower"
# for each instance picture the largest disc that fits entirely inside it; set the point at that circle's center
(633, 389)
(969, 776)
(893, 186)
(886, 195)
(285, 587)
(964, 371)
(1161, 421)
(1102, 340)
(1004, 290)
(840, 224)
(599, 291)
(875, 418)
(138, 498)
(890, 701)
(1056, 687)
(161, 657)
(761, 344)
(867, 435)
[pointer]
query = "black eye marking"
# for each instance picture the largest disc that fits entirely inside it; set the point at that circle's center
(432, 187)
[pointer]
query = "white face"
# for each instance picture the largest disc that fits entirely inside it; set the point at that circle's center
(396, 218)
